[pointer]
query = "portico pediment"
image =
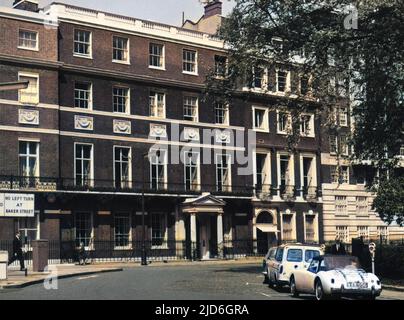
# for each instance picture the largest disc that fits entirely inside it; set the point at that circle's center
(205, 203)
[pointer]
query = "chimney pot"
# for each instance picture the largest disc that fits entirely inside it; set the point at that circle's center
(213, 8)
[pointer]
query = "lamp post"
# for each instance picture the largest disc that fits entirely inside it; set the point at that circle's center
(144, 256)
(7, 86)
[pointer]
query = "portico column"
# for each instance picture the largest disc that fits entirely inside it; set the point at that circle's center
(220, 244)
(193, 236)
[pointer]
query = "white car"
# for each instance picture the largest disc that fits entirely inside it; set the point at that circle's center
(281, 261)
(335, 276)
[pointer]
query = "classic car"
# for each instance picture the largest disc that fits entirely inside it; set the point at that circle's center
(281, 261)
(335, 276)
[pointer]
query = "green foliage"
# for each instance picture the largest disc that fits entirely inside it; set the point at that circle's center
(389, 202)
(366, 60)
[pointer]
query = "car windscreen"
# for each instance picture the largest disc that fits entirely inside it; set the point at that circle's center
(310, 254)
(341, 262)
(295, 255)
(279, 255)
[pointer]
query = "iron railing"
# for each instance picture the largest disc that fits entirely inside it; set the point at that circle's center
(107, 251)
(49, 184)
(21, 183)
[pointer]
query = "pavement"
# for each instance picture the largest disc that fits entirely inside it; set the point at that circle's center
(214, 280)
(18, 279)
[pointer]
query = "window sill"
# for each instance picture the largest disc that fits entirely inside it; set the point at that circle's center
(123, 248)
(284, 133)
(78, 108)
(121, 62)
(190, 73)
(26, 103)
(307, 135)
(157, 68)
(77, 55)
(121, 113)
(28, 49)
(261, 130)
(159, 247)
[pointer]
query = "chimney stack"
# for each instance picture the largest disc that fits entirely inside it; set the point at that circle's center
(213, 8)
(28, 5)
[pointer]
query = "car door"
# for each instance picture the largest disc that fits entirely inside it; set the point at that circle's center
(307, 277)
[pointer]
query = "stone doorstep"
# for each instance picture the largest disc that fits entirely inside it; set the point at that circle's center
(39, 278)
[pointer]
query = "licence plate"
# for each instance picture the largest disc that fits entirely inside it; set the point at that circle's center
(357, 285)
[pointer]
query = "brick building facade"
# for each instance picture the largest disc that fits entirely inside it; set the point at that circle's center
(105, 90)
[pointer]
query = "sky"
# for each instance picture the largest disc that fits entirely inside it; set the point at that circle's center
(164, 11)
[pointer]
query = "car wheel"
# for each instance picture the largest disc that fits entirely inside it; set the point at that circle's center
(293, 289)
(320, 295)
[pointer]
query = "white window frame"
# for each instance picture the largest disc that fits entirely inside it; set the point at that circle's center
(35, 95)
(162, 57)
(154, 108)
(333, 137)
(315, 226)
(341, 202)
(127, 104)
(90, 44)
(226, 113)
(90, 97)
(287, 81)
(221, 76)
(36, 48)
(27, 156)
(224, 187)
(342, 174)
(345, 229)
(364, 232)
(129, 246)
(195, 63)
(343, 145)
(362, 206)
(288, 124)
(383, 231)
(115, 162)
(91, 241)
(164, 164)
(265, 121)
(293, 222)
(291, 167)
(267, 181)
(264, 78)
(164, 229)
(195, 108)
(91, 180)
(198, 168)
(126, 50)
(345, 116)
(313, 169)
(311, 129)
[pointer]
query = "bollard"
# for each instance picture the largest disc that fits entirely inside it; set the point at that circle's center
(40, 255)
(3, 265)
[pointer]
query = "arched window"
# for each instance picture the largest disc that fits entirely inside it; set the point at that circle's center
(265, 217)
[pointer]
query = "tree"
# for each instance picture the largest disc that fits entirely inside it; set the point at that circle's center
(354, 50)
(389, 201)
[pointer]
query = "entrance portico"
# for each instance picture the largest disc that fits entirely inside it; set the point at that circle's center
(205, 225)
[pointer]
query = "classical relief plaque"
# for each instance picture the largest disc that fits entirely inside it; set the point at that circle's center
(191, 134)
(83, 123)
(122, 126)
(158, 130)
(222, 136)
(28, 116)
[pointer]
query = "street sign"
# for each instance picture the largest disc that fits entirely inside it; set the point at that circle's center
(15, 205)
